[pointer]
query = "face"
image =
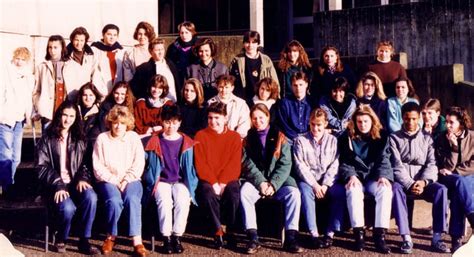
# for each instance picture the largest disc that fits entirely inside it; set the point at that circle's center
(118, 129)
(410, 121)
(263, 93)
(170, 127)
(338, 95)
(158, 52)
(119, 95)
(216, 121)
(189, 93)
(452, 124)
(54, 49)
(67, 118)
(430, 116)
(205, 53)
(225, 90)
(88, 98)
(251, 47)
(142, 37)
(110, 37)
(369, 87)
(384, 53)
(19, 61)
(330, 58)
(294, 54)
(401, 89)
(364, 123)
(185, 34)
(317, 126)
(79, 41)
(260, 120)
(155, 92)
(299, 88)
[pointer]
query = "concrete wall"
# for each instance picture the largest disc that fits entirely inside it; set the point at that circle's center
(30, 22)
(432, 33)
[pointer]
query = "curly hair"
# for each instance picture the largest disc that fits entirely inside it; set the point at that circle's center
(129, 97)
(294, 45)
(354, 131)
(120, 114)
(462, 115)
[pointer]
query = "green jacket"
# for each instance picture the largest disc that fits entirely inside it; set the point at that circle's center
(274, 166)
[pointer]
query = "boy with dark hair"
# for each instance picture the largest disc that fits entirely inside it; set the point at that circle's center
(414, 167)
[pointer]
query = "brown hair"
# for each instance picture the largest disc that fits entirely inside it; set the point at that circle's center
(205, 41)
(411, 88)
(122, 114)
(318, 113)
(260, 107)
(159, 81)
(251, 36)
(59, 39)
(299, 75)
(323, 66)
(386, 43)
(303, 59)
(462, 116)
(378, 85)
(22, 52)
(376, 125)
(432, 104)
(189, 26)
(224, 79)
(79, 31)
(199, 91)
(217, 107)
(91, 87)
(149, 30)
(155, 41)
(270, 85)
(129, 97)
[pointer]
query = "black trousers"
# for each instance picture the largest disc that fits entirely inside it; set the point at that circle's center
(221, 209)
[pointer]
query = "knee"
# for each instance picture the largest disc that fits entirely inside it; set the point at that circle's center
(68, 209)
(294, 194)
(115, 203)
(355, 191)
(90, 196)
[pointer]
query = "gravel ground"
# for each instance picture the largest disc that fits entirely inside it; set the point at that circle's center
(197, 245)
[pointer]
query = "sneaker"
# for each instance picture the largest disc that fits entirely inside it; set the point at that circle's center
(439, 247)
(60, 247)
(406, 247)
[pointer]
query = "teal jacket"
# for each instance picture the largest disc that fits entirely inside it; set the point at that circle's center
(274, 166)
(154, 165)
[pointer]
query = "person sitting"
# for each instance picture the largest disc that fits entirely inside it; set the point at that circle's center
(364, 166)
(121, 94)
(293, 112)
(433, 122)
(193, 113)
(118, 160)
(414, 167)
(148, 109)
(455, 160)
(62, 171)
(236, 108)
(339, 106)
(369, 91)
(170, 177)
(405, 92)
(316, 160)
(266, 168)
(218, 156)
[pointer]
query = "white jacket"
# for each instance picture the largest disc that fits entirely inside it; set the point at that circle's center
(16, 95)
(77, 75)
(103, 80)
(238, 114)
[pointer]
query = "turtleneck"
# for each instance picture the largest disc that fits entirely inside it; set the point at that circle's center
(78, 56)
(262, 135)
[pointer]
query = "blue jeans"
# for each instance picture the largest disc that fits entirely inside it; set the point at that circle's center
(337, 196)
(435, 193)
(10, 151)
(289, 195)
(116, 201)
(86, 202)
(460, 193)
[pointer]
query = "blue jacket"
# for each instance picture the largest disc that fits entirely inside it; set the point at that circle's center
(293, 116)
(394, 113)
(154, 165)
(338, 124)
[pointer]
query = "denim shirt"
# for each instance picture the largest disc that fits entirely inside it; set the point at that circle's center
(293, 116)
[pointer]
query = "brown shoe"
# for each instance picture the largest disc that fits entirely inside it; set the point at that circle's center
(139, 251)
(108, 246)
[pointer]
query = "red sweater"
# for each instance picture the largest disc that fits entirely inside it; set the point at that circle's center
(218, 157)
(147, 116)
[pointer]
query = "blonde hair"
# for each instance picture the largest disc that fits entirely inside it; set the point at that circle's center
(120, 114)
(354, 131)
(22, 52)
(378, 85)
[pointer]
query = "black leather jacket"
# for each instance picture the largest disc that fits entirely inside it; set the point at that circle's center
(48, 167)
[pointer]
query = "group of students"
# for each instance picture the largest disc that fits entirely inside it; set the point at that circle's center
(224, 137)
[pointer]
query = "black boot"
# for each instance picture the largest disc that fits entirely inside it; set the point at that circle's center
(167, 246)
(359, 236)
(291, 242)
(176, 244)
(379, 241)
(253, 244)
(456, 242)
(470, 218)
(86, 248)
(218, 242)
